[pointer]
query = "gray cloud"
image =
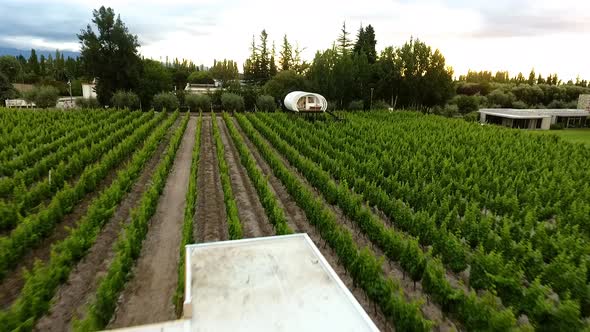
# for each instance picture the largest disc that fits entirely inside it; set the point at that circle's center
(57, 23)
(515, 20)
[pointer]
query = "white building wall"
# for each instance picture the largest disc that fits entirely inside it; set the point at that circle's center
(88, 91)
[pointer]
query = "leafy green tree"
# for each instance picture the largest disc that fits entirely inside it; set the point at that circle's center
(283, 83)
(426, 78)
(7, 91)
(321, 74)
(232, 102)
(154, 79)
(198, 102)
(201, 77)
(10, 67)
(388, 76)
(165, 101)
(225, 71)
(111, 56)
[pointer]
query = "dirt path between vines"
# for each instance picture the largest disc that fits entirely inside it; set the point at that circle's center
(250, 210)
(210, 216)
(147, 297)
(72, 297)
(12, 284)
(298, 221)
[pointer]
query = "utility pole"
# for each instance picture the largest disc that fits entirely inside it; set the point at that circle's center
(372, 98)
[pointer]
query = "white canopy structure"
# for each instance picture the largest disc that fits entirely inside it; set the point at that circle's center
(301, 101)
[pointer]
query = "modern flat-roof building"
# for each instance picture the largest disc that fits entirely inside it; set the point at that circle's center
(534, 118)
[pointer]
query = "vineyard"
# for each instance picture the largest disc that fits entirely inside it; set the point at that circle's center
(432, 223)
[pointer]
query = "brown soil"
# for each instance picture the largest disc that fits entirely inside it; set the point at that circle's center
(147, 298)
(251, 212)
(72, 297)
(11, 285)
(297, 220)
(210, 216)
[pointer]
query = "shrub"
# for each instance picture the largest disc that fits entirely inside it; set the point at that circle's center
(87, 103)
(125, 99)
(556, 104)
(519, 104)
(266, 103)
(471, 117)
(557, 126)
(198, 102)
(165, 101)
(43, 97)
(466, 104)
(232, 102)
(500, 98)
(356, 105)
(450, 111)
(381, 105)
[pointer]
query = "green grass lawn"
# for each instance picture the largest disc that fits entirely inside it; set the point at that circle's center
(572, 135)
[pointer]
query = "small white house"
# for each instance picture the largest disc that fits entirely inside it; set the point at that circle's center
(194, 88)
(18, 103)
(300, 101)
(89, 90)
(534, 118)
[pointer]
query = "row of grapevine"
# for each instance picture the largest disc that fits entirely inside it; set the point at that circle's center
(269, 201)
(363, 266)
(24, 130)
(31, 230)
(71, 131)
(189, 217)
(488, 270)
(231, 208)
(41, 168)
(25, 200)
(128, 247)
(395, 245)
(42, 282)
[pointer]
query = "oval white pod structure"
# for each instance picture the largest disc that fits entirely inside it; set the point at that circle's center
(301, 101)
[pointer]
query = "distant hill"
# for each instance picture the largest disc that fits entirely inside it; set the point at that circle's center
(26, 53)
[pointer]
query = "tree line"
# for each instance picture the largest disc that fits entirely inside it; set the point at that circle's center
(351, 74)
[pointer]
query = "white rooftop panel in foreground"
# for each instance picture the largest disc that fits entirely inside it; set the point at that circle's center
(279, 283)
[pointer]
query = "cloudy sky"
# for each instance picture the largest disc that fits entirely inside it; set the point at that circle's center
(553, 36)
